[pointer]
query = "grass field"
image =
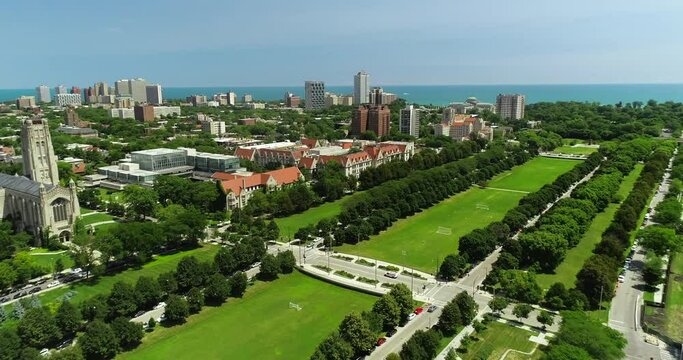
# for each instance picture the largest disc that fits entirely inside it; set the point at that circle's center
(575, 150)
(575, 258)
(86, 211)
(497, 339)
(47, 261)
(95, 218)
(417, 236)
(161, 264)
(260, 325)
(674, 299)
(290, 224)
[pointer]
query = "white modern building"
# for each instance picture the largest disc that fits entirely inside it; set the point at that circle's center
(68, 99)
(409, 121)
(213, 127)
(135, 88)
(122, 113)
(154, 96)
(43, 94)
(160, 111)
(361, 88)
(315, 95)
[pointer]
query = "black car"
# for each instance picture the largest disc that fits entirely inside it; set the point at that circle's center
(34, 290)
(4, 299)
(391, 332)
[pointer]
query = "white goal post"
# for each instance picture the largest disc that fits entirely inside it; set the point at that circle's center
(294, 306)
(444, 230)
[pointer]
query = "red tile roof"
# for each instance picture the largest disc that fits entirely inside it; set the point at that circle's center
(308, 163)
(236, 183)
(287, 175)
(243, 153)
(311, 143)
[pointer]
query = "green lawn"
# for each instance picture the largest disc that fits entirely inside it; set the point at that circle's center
(674, 299)
(290, 224)
(47, 261)
(85, 211)
(95, 218)
(575, 150)
(575, 258)
(260, 325)
(417, 236)
(498, 338)
(161, 264)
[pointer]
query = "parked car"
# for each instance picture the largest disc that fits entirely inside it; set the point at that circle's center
(45, 352)
(391, 332)
(139, 313)
(418, 311)
(160, 305)
(52, 284)
(391, 274)
(381, 341)
(4, 299)
(18, 295)
(411, 316)
(255, 265)
(76, 270)
(432, 308)
(34, 290)
(622, 278)
(65, 343)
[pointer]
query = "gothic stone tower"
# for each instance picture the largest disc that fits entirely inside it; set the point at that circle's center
(40, 162)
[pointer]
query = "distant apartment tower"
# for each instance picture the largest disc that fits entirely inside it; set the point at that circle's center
(315, 95)
(25, 102)
(101, 89)
(61, 89)
(213, 127)
(409, 121)
(197, 100)
(75, 90)
(68, 99)
(122, 88)
(510, 106)
(138, 90)
(361, 88)
(247, 98)
(43, 94)
(144, 113)
(371, 118)
(154, 96)
(232, 98)
(292, 100)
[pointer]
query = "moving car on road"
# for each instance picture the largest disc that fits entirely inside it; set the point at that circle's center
(391, 274)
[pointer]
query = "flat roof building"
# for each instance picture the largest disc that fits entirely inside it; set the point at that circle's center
(315, 95)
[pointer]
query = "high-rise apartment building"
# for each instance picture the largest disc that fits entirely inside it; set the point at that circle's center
(101, 89)
(197, 100)
(315, 95)
(409, 121)
(68, 99)
(144, 113)
(43, 94)
(361, 88)
(138, 90)
(75, 90)
(61, 89)
(213, 127)
(510, 106)
(25, 102)
(122, 87)
(232, 98)
(371, 118)
(379, 120)
(292, 100)
(154, 94)
(247, 98)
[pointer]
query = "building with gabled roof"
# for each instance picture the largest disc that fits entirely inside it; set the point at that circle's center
(239, 187)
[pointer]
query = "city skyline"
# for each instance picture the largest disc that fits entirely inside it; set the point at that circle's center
(537, 43)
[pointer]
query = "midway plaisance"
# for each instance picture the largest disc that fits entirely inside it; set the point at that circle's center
(133, 254)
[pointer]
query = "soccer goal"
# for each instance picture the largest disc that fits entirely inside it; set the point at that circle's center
(444, 230)
(482, 206)
(294, 306)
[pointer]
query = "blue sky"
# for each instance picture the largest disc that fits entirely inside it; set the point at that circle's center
(275, 42)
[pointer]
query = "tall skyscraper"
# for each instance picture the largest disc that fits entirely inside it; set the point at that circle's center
(359, 120)
(40, 162)
(154, 94)
(315, 95)
(75, 90)
(376, 96)
(361, 88)
(61, 89)
(409, 121)
(122, 87)
(43, 94)
(510, 106)
(138, 90)
(101, 89)
(232, 98)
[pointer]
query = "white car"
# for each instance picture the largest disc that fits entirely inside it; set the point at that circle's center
(45, 352)
(622, 278)
(160, 305)
(76, 270)
(411, 316)
(391, 275)
(53, 284)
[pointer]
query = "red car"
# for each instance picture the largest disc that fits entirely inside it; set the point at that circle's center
(381, 341)
(418, 311)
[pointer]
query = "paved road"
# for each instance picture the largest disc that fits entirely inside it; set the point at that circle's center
(38, 286)
(624, 314)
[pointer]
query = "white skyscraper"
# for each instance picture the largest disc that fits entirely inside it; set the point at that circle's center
(138, 90)
(122, 87)
(154, 94)
(232, 98)
(510, 106)
(43, 94)
(68, 99)
(315, 95)
(61, 89)
(361, 88)
(409, 122)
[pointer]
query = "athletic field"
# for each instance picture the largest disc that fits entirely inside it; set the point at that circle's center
(424, 239)
(261, 325)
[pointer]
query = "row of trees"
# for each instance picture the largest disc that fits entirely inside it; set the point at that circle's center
(479, 243)
(376, 209)
(425, 159)
(357, 333)
(457, 314)
(582, 338)
(598, 276)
